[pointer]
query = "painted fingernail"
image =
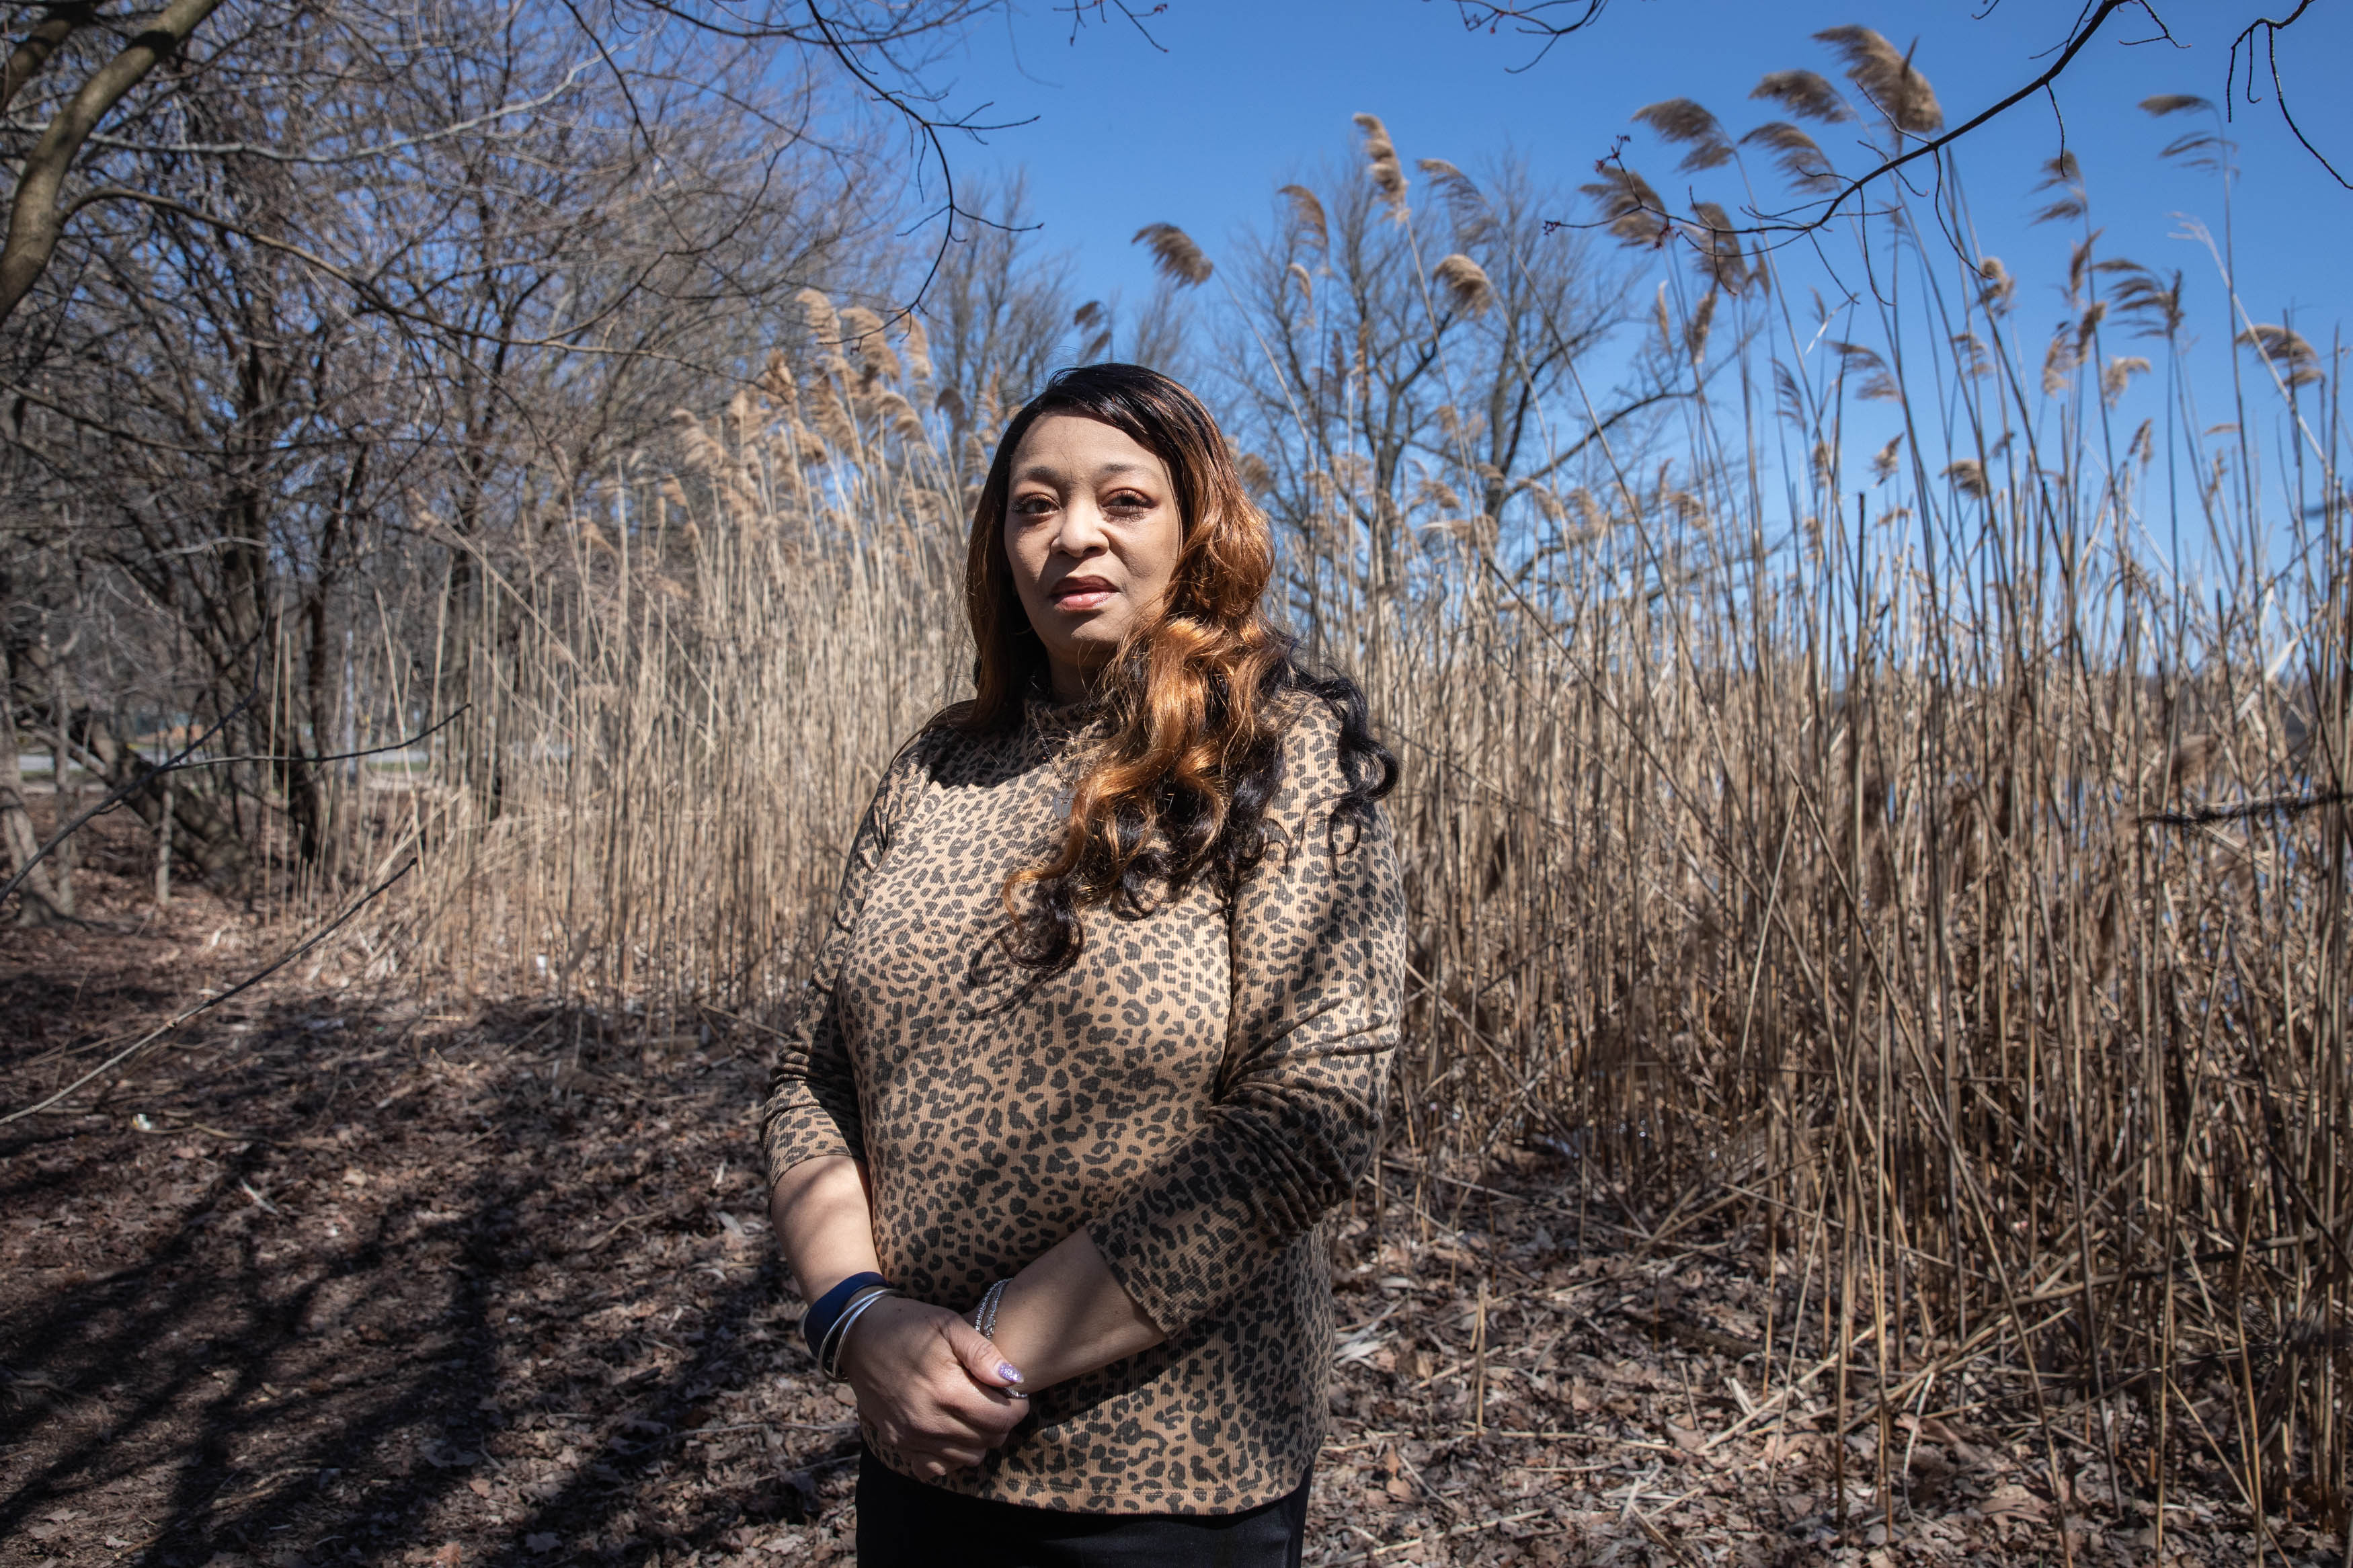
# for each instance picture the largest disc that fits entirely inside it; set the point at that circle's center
(1009, 1372)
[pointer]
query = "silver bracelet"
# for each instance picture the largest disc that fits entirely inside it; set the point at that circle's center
(839, 1339)
(984, 1317)
(824, 1347)
(829, 1359)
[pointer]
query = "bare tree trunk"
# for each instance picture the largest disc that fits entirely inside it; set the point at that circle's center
(203, 833)
(36, 903)
(163, 849)
(66, 800)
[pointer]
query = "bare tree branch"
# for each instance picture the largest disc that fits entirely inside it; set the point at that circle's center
(35, 216)
(1924, 147)
(33, 51)
(1531, 21)
(356, 154)
(2271, 31)
(1793, 223)
(1078, 10)
(2201, 815)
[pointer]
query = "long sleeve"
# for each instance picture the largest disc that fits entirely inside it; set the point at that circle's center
(1318, 953)
(812, 1107)
(1197, 1089)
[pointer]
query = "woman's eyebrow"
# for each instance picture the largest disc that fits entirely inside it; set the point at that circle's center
(1043, 473)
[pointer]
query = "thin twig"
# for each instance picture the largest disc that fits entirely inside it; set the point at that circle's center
(250, 980)
(2200, 815)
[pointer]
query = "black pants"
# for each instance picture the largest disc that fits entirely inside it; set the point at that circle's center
(906, 1524)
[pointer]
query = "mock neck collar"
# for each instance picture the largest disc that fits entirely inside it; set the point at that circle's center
(1041, 712)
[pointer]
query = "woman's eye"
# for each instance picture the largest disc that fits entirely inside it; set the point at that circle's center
(1128, 501)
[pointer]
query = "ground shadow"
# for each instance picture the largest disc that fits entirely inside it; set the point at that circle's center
(331, 1306)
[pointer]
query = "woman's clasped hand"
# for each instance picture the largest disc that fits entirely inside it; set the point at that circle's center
(930, 1387)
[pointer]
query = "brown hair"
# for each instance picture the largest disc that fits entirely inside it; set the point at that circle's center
(1196, 699)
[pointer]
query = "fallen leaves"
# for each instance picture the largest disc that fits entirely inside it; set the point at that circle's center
(2011, 1500)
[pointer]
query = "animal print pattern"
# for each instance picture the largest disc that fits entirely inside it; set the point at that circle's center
(1199, 1090)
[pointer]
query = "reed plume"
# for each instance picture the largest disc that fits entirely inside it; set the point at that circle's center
(1381, 164)
(1804, 93)
(1886, 77)
(1797, 155)
(2285, 349)
(1630, 208)
(1687, 123)
(1174, 254)
(1465, 283)
(1307, 215)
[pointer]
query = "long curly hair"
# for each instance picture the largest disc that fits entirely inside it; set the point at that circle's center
(1195, 699)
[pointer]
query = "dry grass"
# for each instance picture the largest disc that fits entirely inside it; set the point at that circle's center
(1814, 874)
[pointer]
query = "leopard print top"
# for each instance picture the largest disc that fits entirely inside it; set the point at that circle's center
(1199, 1089)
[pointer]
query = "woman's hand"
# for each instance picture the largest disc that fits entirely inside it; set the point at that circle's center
(930, 1389)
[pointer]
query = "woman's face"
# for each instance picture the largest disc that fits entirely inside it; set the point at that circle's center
(1092, 531)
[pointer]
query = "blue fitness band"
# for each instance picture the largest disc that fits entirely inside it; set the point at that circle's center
(817, 1321)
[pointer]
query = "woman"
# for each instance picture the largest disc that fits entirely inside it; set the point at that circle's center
(1099, 1032)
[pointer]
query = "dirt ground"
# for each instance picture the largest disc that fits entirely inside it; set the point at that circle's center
(339, 1276)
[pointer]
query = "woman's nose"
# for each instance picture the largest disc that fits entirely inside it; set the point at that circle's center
(1082, 529)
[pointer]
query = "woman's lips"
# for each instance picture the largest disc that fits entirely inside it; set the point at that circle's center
(1082, 593)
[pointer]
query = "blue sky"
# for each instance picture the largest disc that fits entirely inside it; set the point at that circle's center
(1243, 94)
